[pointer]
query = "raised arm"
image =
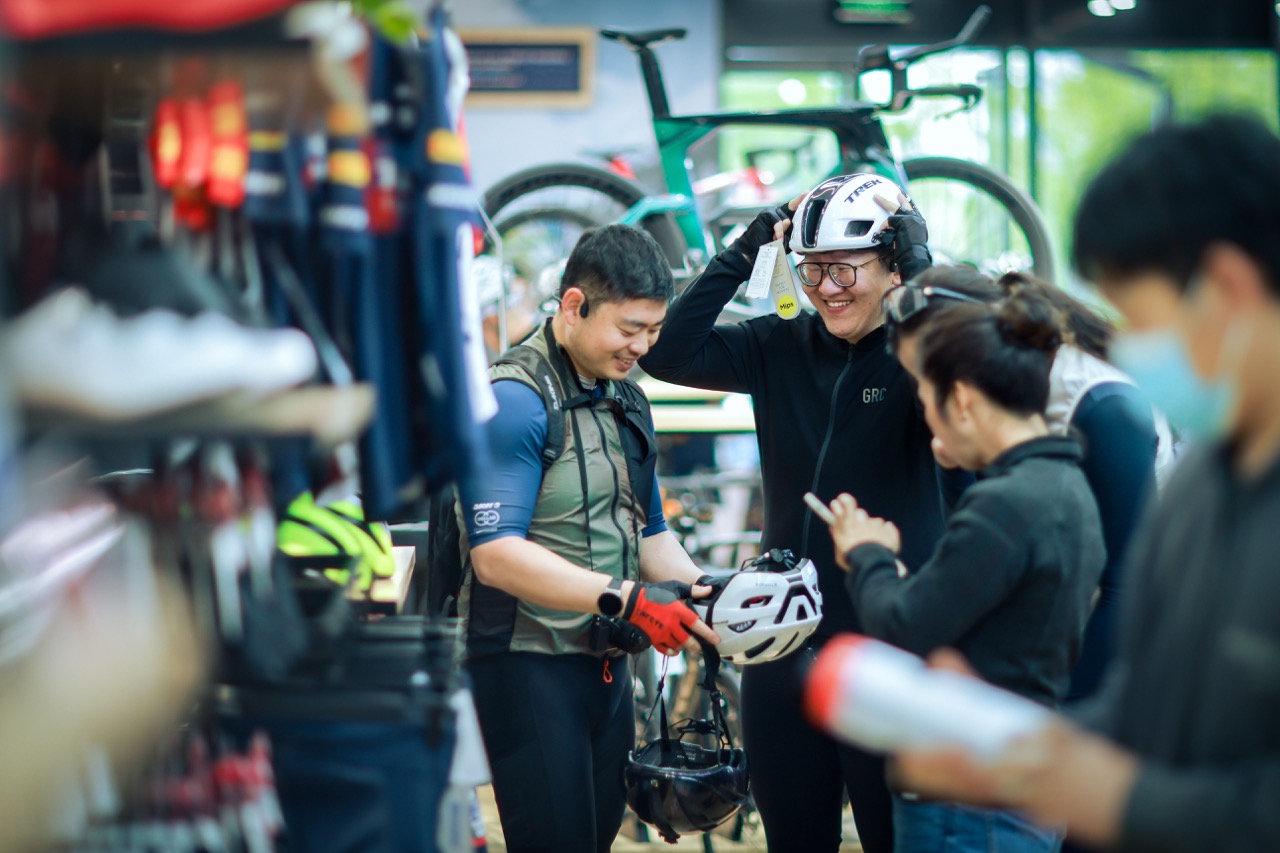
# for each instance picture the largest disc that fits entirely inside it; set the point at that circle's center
(693, 349)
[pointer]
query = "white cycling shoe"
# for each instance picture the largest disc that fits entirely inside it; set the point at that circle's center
(70, 355)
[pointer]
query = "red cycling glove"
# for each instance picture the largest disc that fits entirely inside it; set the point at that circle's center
(657, 609)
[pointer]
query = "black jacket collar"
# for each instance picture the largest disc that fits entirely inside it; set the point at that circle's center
(1049, 446)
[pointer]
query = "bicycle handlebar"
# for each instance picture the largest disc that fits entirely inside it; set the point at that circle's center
(875, 57)
(967, 91)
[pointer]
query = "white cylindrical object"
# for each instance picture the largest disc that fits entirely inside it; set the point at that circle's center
(879, 697)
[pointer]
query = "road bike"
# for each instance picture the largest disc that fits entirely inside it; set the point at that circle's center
(975, 215)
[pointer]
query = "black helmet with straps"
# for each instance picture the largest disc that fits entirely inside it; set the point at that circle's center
(681, 787)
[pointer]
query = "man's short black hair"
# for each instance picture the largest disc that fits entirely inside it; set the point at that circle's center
(617, 263)
(1178, 189)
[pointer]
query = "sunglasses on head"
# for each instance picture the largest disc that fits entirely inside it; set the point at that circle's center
(905, 301)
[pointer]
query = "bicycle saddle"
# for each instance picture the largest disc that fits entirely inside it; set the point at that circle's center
(637, 39)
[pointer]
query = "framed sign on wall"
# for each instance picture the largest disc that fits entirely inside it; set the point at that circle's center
(535, 67)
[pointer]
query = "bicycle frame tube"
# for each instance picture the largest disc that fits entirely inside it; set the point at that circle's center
(673, 203)
(675, 137)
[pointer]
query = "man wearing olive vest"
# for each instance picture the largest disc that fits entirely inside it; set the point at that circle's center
(566, 529)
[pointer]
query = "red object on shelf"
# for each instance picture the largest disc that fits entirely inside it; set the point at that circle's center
(37, 19)
(197, 142)
(381, 196)
(229, 157)
(166, 143)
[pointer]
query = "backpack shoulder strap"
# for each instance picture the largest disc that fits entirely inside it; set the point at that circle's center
(549, 387)
(634, 399)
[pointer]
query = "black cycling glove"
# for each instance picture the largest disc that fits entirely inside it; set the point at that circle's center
(760, 231)
(716, 582)
(908, 234)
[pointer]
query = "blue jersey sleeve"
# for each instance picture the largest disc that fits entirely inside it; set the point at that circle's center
(657, 521)
(1118, 431)
(501, 503)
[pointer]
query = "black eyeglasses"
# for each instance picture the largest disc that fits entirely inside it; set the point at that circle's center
(905, 301)
(842, 275)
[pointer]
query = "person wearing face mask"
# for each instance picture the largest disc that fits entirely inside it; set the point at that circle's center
(1009, 583)
(1181, 749)
(834, 412)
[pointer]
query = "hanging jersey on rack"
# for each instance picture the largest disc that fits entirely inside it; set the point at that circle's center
(442, 204)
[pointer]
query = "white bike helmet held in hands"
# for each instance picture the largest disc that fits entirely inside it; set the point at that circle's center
(842, 214)
(765, 611)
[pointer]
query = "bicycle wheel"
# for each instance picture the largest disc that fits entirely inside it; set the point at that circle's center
(591, 193)
(540, 237)
(977, 216)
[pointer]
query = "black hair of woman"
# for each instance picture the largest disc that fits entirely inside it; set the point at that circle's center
(1005, 350)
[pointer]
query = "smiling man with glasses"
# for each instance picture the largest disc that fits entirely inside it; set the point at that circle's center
(835, 412)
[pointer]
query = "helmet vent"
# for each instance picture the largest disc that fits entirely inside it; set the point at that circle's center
(813, 219)
(857, 227)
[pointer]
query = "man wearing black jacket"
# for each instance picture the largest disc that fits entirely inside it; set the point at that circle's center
(834, 412)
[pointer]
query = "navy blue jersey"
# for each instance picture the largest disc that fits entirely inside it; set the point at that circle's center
(517, 435)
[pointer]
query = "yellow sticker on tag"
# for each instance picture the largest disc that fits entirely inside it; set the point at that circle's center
(785, 299)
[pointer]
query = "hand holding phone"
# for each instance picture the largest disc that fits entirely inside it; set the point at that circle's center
(819, 508)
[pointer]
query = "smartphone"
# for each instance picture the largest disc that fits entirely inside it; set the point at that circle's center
(819, 508)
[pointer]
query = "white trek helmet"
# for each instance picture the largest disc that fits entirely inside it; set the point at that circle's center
(842, 214)
(765, 611)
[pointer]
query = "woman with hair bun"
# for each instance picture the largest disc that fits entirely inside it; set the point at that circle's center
(1127, 446)
(1010, 582)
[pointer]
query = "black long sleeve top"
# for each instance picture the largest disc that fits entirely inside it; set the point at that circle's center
(830, 416)
(1011, 580)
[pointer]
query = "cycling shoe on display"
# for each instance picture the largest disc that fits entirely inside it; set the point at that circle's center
(70, 355)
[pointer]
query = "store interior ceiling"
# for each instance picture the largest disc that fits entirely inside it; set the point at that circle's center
(809, 33)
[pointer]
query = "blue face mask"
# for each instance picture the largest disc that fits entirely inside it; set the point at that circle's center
(1158, 362)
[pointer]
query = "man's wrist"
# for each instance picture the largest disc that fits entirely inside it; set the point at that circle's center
(613, 599)
(630, 592)
(864, 555)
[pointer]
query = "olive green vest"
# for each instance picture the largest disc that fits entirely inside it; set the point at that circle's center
(587, 511)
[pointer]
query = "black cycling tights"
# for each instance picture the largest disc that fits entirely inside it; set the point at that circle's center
(558, 736)
(797, 772)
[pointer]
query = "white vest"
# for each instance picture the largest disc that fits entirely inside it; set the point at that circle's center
(1074, 373)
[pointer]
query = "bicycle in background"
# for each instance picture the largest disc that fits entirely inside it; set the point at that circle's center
(976, 215)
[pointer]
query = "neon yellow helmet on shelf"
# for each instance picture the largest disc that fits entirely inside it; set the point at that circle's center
(336, 539)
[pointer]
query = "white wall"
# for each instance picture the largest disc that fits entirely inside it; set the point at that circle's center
(505, 140)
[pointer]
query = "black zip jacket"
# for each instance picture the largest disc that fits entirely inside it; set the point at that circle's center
(1011, 581)
(831, 417)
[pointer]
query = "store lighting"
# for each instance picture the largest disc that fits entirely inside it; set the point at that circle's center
(1123, 5)
(792, 91)
(1102, 8)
